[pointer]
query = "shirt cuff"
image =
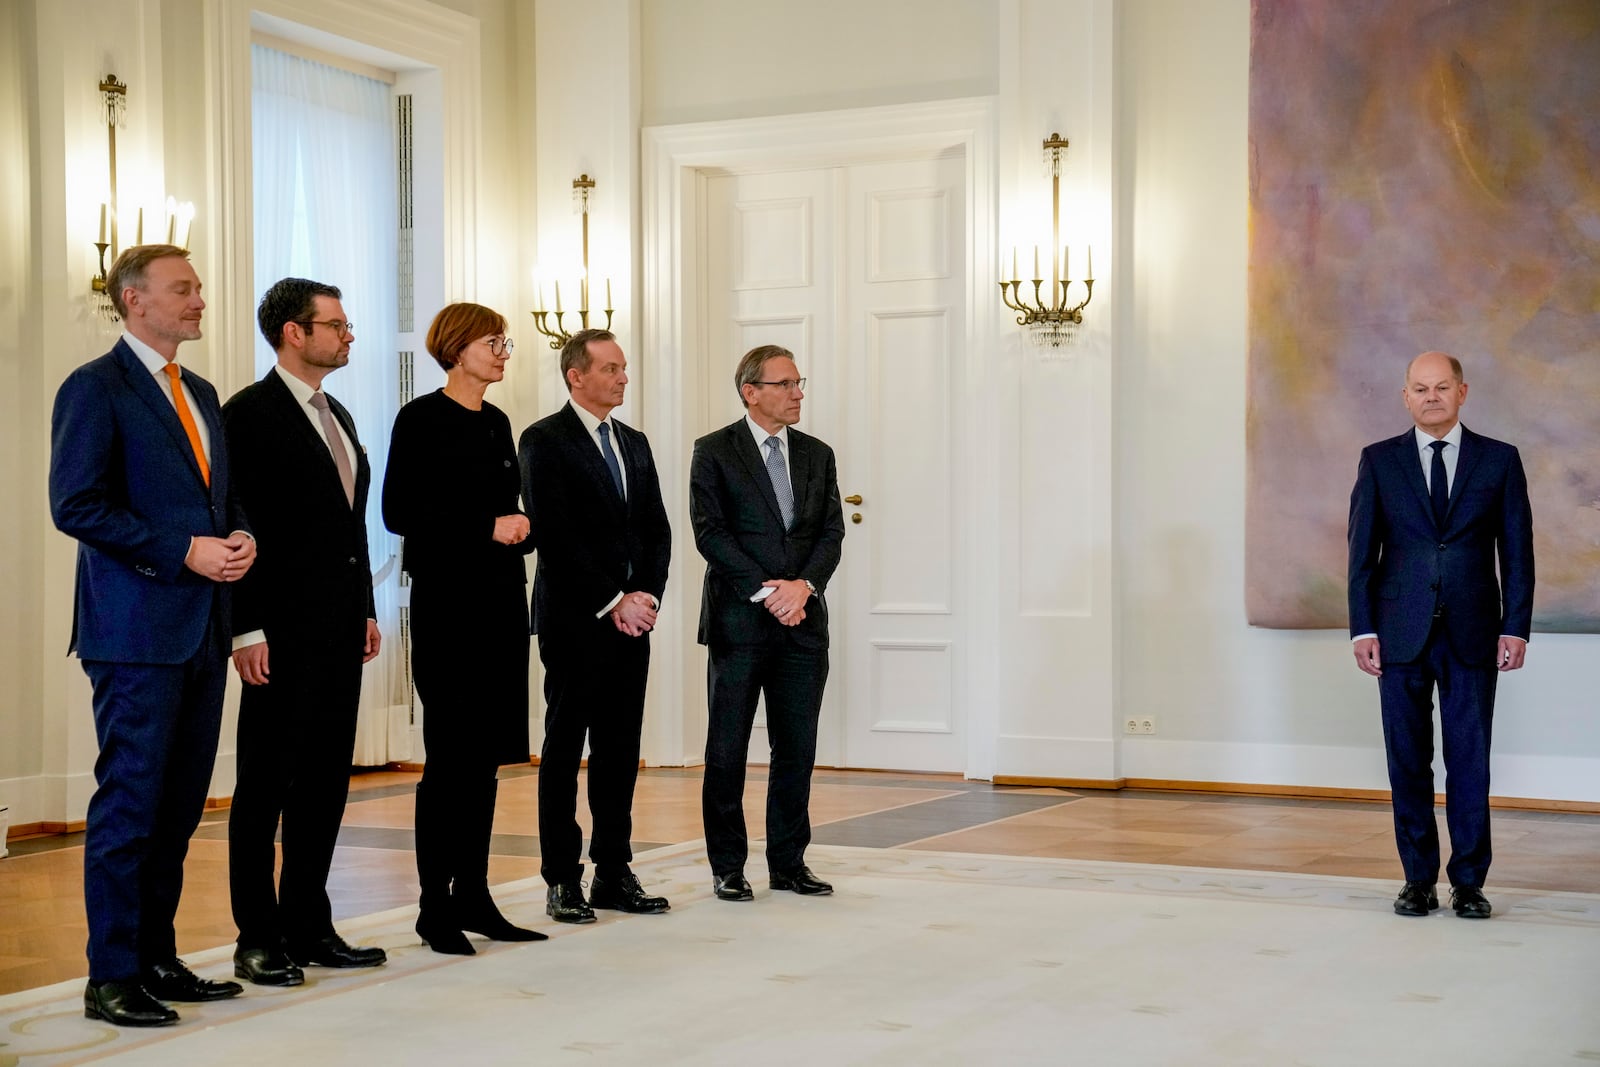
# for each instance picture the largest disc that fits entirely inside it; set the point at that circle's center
(254, 637)
(613, 602)
(1361, 637)
(1514, 637)
(762, 594)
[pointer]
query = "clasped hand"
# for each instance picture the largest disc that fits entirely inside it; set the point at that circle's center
(221, 559)
(787, 601)
(511, 529)
(635, 614)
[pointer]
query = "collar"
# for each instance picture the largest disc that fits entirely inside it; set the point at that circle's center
(153, 361)
(302, 392)
(590, 422)
(1426, 439)
(761, 435)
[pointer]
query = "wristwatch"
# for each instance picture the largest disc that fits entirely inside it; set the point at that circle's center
(810, 586)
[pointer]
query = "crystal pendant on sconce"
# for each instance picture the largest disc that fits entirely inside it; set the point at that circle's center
(1059, 334)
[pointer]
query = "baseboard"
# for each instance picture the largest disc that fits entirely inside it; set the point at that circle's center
(1290, 792)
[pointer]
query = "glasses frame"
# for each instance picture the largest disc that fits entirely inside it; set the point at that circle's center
(789, 385)
(504, 346)
(340, 326)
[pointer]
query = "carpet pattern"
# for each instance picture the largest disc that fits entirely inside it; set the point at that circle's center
(920, 957)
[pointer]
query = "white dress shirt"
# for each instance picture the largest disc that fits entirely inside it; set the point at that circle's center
(155, 363)
(761, 448)
(592, 423)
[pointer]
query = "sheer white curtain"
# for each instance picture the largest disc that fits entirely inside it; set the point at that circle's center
(325, 208)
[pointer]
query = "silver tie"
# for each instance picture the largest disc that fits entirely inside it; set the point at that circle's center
(341, 458)
(780, 481)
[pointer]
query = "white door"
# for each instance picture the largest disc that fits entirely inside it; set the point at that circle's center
(859, 271)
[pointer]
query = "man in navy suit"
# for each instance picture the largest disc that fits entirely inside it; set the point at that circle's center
(764, 501)
(303, 624)
(1433, 511)
(139, 477)
(599, 525)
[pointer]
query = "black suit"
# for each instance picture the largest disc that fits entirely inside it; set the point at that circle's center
(738, 528)
(311, 593)
(152, 635)
(593, 545)
(1429, 592)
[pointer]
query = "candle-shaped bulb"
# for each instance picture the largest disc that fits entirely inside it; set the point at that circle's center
(1066, 263)
(1091, 263)
(1036, 263)
(138, 232)
(608, 294)
(558, 298)
(102, 224)
(1014, 275)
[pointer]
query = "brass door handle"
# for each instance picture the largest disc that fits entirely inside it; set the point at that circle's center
(853, 499)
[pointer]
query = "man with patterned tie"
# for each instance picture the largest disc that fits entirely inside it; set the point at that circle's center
(303, 625)
(599, 526)
(764, 501)
(1432, 514)
(139, 476)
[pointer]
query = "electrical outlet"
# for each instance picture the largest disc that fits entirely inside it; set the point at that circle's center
(1131, 726)
(1147, 725)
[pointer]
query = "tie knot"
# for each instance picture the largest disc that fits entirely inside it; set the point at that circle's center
(171, 370)
(1438, 447)
(773, 443)
(605, 429)
(319, 400)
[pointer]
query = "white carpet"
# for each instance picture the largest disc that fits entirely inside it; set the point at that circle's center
(921, 958)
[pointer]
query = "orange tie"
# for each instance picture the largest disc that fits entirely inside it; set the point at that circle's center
(186, 417)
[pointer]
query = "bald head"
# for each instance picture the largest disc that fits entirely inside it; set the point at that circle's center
(1434, 392)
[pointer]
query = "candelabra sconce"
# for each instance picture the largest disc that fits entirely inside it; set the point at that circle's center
(114, 100)
(1050, 317)
(554, 327)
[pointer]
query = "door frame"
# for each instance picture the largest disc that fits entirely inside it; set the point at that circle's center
(675, 162)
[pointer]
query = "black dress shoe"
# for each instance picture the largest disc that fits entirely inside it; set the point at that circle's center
(125, 1004)
(174, 981)
(482, 917)
(266, 966)
(731, 886)
(1469, 902)
(624, 893)
(1416, 898)
(443, 935)
(802, 881)
(334, 951)
(565, 904)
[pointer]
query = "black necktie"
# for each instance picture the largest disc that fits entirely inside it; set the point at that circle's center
(1439, 484)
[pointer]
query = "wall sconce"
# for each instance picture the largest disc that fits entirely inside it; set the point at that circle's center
(582, 186)
(114, 97)
(1051, 322)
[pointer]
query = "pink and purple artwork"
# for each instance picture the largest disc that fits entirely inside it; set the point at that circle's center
(1423, 175)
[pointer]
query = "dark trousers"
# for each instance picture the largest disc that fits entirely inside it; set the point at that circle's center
(1466, 714)
(594, 685)
(157, 726)
(296, 735)
(792, 679)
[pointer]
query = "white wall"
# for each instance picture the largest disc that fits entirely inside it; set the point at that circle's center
(1234, 703)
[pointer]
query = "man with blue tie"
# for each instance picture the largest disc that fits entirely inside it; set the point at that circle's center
(1432, 514)
(139, 477)
(599, 525)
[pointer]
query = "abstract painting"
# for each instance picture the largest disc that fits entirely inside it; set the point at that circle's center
(1423, 175)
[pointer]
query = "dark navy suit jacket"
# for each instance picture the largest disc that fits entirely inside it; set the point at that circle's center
(1405, 569)
(125, 484)
(738, 528)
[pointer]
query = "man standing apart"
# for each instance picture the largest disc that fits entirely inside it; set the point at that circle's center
(303, 624)
(764, 501)
(1432, 512)
(599, 526)
(139, 477)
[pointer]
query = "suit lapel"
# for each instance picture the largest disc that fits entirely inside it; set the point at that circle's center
(1466, 463)
(1410, 460)
(363, 468)
(146, 389)
(588, 453)
(755, 463)
(299, 428)
(799, 470)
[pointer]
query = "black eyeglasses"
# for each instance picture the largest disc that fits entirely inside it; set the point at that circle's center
(335, 325)
(788, 384)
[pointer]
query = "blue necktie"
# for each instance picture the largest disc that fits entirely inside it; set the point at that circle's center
(1438, 484)
(780, 481)
(611, 459)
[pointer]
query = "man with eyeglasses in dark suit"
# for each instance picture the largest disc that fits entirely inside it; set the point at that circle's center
(764, 502)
